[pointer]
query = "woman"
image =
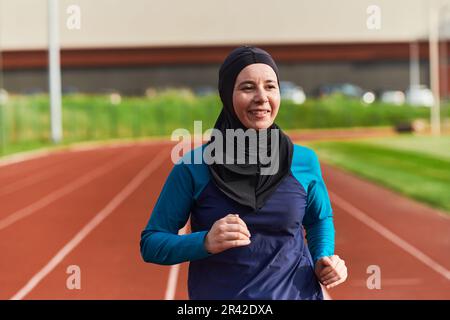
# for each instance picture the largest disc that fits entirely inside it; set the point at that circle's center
(247, 239)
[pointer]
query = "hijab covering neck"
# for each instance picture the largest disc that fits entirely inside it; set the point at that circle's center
(244, 182)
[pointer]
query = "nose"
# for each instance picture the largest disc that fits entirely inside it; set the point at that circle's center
(260, 95)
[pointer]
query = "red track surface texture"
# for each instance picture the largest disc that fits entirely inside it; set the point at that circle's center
(87, 208)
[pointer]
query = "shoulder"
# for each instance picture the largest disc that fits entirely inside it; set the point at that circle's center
(305, 166)
(304, 158)
(191, 169)
(193, 159)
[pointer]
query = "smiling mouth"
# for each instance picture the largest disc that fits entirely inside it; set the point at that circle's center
(259, 113)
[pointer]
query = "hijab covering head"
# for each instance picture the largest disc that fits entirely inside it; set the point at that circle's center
(243, 182)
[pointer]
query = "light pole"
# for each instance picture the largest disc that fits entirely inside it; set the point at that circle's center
(433, 38)
(54, 71)
(414, 64)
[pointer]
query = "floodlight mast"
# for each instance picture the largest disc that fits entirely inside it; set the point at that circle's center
(433, 38)
(54, 69)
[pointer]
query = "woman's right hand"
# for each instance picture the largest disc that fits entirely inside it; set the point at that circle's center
(228, 232)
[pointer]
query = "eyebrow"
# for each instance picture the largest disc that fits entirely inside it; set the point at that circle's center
(252, 82)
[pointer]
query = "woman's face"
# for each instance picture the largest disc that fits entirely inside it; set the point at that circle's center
(256, 96)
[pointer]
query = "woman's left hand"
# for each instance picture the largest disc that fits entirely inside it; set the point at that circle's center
(331, 271)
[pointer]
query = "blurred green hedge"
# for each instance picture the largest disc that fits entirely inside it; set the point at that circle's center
(26, 120)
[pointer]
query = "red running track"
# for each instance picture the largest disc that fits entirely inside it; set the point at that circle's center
(87, 208)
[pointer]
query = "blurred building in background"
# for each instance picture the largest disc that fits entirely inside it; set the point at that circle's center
(130, 46)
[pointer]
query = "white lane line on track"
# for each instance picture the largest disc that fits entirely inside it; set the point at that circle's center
(8, 172)
(389, 235)
(92, 224)
(326, 294)
(28, 181)
(41, 175)
(172, 281)
(20, 157)
(61, 192)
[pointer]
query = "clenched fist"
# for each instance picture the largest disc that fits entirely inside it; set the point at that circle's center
(228, 232)
(331, 271)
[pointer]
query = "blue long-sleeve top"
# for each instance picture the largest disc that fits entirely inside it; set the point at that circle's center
(276, 265)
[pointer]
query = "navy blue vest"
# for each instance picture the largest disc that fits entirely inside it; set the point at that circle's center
(276, 265)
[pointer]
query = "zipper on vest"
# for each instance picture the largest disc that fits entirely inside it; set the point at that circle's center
(258, 172)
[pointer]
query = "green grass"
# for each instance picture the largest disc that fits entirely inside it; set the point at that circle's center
(25, 121)
(418, 167)
(434, 146)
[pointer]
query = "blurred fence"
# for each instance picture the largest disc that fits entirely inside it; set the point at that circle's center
(25, 120)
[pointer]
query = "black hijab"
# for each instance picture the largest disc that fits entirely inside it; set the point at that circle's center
(244, 183)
